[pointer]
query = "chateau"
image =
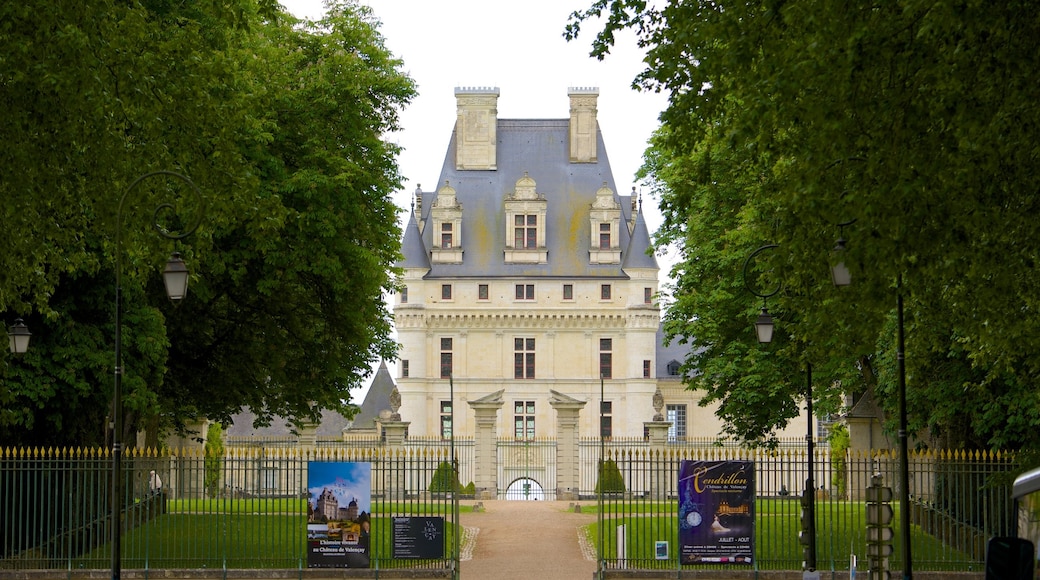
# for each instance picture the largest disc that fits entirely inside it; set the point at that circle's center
(527, 313)
(527, 280)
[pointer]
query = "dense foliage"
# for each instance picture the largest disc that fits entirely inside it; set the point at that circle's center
(915, 120)
(280, 124)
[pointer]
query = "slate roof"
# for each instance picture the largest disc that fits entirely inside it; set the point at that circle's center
(331, 422)
(539, 148)
(412, 247)
(376, 400)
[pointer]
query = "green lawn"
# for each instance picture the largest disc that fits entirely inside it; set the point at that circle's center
(247, 533)
(840, 531)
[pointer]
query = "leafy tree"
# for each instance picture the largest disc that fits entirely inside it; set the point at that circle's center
(280, 124)
(916, 121)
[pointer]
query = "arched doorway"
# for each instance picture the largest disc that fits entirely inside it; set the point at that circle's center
(525, 488)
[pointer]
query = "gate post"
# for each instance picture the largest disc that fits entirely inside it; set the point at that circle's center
(660, 475)
(485, 453)
(567, 461)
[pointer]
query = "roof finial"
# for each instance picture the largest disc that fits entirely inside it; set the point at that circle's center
(418, 197)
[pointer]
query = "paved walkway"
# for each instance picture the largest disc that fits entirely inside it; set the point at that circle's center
(521, 540)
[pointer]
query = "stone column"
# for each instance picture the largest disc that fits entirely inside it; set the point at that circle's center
(485, 450)
(308, 437)
(187, 471)
(660, 472)
(568, 480)
(396, 460)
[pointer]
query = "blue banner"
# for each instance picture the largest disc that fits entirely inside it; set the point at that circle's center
(716, 512)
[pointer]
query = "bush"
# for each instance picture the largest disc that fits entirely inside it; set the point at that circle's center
(444, 479)
(839, 442)
(610, 480)
(214, 462)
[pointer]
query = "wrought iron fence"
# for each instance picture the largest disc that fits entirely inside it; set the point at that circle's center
(247, 508)
(956, 505)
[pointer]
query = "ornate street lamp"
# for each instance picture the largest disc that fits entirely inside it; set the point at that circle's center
(764, 332)
(19, 335)
(839, 271)
(175, 278)
(764, 323)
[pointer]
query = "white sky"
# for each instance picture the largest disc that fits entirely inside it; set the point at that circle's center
(519, 48)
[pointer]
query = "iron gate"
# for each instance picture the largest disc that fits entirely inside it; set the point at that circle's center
(527, 469)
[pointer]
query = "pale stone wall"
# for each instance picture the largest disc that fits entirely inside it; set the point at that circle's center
(567, 336)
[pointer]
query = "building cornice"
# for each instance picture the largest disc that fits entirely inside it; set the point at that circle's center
(643, 319)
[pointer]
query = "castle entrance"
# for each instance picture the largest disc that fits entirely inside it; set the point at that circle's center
(525, 489)
(524, 465)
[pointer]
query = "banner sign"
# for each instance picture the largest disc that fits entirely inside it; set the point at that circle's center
(338, 514)
(419, 537)
(716, 512)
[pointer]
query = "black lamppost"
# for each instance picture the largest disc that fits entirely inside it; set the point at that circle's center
(19, 335)
(175, 278)
(840, 273)
(764, 332)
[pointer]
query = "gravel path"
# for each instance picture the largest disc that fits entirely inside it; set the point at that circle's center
(524, 540)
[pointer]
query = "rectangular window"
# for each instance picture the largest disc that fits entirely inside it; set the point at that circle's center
(525, 291)
(523, 419)
(445, 291)
(568, 291)
(446, 232)
(525, 231)
(482, 292)
(648, 295)
(404, 369)
(646, 369)
(606, 423)
(446, 346)
(523, 358)
(677, 415)
(604, 292)
(446, 426)
(606, 360)
(404, 295)
(604, 236)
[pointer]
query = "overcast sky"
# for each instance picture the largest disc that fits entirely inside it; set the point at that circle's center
(519, 48)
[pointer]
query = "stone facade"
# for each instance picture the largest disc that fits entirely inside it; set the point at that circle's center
(527, 278)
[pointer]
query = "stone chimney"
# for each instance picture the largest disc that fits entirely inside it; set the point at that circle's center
(583, 124)
(476, 128)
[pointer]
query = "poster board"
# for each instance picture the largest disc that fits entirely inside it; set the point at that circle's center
(339, 510)
(716, 512)
(418, 537)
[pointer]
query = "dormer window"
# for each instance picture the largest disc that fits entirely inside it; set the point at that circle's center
(604, 227)
(525, 223)
(526, 231)
(446, 218)
(446, 230)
